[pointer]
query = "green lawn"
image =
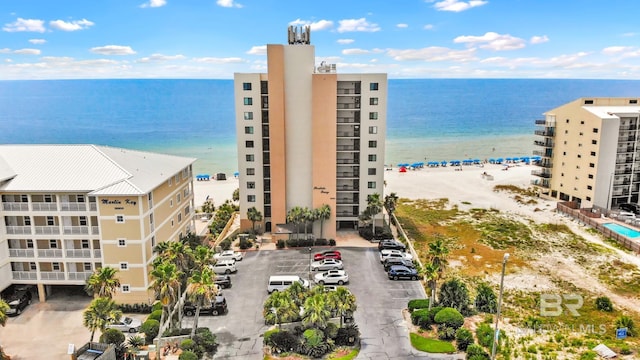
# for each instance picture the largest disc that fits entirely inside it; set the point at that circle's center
(431, 345)
(351, 355)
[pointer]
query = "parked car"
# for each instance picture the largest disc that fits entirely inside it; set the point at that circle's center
(388, 263)
(329, 254)
(126, 324)
(339, 277)
(391, 244)
(215, 308)
(17, 301)
(389, 254)
(634, 208)
(224, 267)
(326, 264)
(228, 254)
(223, 280)
(402, 272)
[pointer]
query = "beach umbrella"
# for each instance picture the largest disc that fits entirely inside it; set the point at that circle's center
(403, 169)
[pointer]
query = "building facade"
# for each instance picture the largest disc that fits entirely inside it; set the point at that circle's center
(590, 150)
(68, 210)
(308, 136)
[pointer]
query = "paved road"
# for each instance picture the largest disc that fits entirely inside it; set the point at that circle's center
(380, 303)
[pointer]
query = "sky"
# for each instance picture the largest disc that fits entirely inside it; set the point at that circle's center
(213, 39)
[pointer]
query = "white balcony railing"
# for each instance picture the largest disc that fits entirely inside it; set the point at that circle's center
(78, 253)
(18, 229)
(21, 253)
(24, 275)
(97, 253)
(76, 230)
(51, 275)
(15, 206)
(73, 206)
(95, 230)
(48, 230)
(44, 206)
(93, 206)
(50, 253)
(79, 275)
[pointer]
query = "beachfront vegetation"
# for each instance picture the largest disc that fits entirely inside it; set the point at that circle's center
(545, 258)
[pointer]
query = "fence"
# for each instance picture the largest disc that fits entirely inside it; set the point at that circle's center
(588, 216)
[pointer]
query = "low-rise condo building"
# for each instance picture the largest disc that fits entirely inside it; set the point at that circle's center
(68, 210)
(590, 152)
(308, 136)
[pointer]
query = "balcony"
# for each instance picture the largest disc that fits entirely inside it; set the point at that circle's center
(78, 253)
(15, 206)
(348, 188)
(541, 173)
(346, 214)
(18, 229)
(47, 230)
(76, 230)
(22, 253)
(541, 122)
(51, 275)
(83, 276)
(545, 164)
(347, 161)
(71, 206)
(346, 201)
(95, 230)
(24, 275)
(347, 175)
(547, 153)
(94, 207)
(348, 120)
(349, 134)
(97, 253)
(44, 206)
(50, 253)
(543, 143)
(347, 147)
(545, 132)
(540, 183)
(348, 106)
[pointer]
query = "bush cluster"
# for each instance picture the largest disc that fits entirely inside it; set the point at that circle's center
(603, 303)
(150, 329)
(312, 342)
(141, 308)
(418, 304)
(226, 244)
(112, 336)
(464, 338)
(476, 352)
(381, 233)
(307, 242)
(245, 243)
(221, 217)
(280, 244)
(425, 317)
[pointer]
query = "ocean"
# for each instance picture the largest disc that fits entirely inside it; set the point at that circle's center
(427, 119)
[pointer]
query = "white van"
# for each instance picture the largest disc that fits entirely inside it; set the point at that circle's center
(282, 282)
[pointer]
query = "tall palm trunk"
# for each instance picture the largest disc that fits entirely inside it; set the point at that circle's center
(195, 320)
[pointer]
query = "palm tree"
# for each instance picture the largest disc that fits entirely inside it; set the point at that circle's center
(103, 282)
(201, 289)
(99, 313)
(431, 273)
(166, 282)
(294, 216)
(202, 257)
(4, 307)
(438, 251)
(254, 216)
(316, 311)
(282, 307)
(308, 216)
(342, 300)
(297, 293)
(390, 202)
(374, 205)
(323, 213)
(180, 254)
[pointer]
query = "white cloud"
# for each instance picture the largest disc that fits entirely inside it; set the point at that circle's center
(71, 25)
(402, 26)
(492, 41)
(622, 51)
(214, 60)
(539, 39)
(456, 5)
(345, 41)
(361, 24)
(56, 59)
(37, 41)
(428, 27)
(355, 51)
(113, 50)
(228, 3)
(31, 25)
(160, 57)
(5, 51)
(629, 34)
(433, 53)
(27, 51)
(154, 4)
(315, 25)
(258, 50)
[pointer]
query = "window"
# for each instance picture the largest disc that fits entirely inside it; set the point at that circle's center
(251, 171)
(27, 221)
(592, 165)
(373, 157)
(373, 86)
(248, 129)
(634, 101)
(48, 198)
(590, 176)
(124, 266)
(55, 266)
(251, 198)
(567, 121)
(588, 102)
(29, 244)
(122, 242)
(373, 101)
(250, 157)
(371, 171)
(595, 130)
(251, 184)
(176, 179)
(83, 220)
(373, 115)
(248, 115)
(248, 143)
(24, 198)
(589, 187)
(80, 198)
(566, 132)
(373, 129)
(582, 122)
(373, 144)
(581, 133)
(32, 266)
(579, 156)
(53, 244)
(126, 288)
(187, 210)
(87, 266)
(594, 142)
(593, 153)
(179, 217)
(50, 221)
(248, 101)
(120, 219)
(185, 192)
(178, 197)
(246, 86)
(84, 244)
(153, 241)
(170, 181)
(588, 198)
(172, 223)
(371, 184)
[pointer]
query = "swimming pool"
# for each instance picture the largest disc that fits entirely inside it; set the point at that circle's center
(622, 230)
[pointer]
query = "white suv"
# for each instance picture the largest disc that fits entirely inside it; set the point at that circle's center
(224, 267)
(395, 254)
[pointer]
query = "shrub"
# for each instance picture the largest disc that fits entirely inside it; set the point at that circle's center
(421, 318)
(313, 336)
(280, 244)
(155, 315)
(292, 243)
(156, 306)
(450, 318)
(464, 338)
(332, 242)
(624, 350)
(267, 336)
(226, 244)
(588, 355)
(446, 332)
(347, 333)
(476, 352)
(245, 243)
(331, 330)
(284, 341)
(623, 321)
(188, 345)
(320, 242)
(188, 355)
(486, 299)
(150, 329)
(112, 336)
(484, 333)
(418, 304)
(603, 303)
(454, 294)
(206, 340)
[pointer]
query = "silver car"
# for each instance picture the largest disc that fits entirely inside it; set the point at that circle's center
(326, 264)
(126, 324)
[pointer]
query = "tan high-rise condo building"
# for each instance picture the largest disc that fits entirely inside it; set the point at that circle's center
(308, 136)
(590, 152)
(68, 210)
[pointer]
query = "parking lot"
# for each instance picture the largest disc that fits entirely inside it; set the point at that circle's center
(380, 303)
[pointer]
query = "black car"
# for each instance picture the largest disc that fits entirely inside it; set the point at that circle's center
(223, 280)
(388, 263)
(634, 208)
(402, 272)
(17, 301)
(217, 307)
(391, 244)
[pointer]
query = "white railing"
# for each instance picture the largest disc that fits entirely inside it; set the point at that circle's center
(78, 253)
(18, 229)
(93, 206)
(79, 275)
(97, 253)
(49, 253)
(95, 230)
(77, 230)
(21, 253)
(15, 206)
(51, 275)
(24, 275)
(73, 206)
(47, 230)
(43, 206)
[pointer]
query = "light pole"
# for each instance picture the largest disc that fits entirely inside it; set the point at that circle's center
(309, 264)
(497, 332)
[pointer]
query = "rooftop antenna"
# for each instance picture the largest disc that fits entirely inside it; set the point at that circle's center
(300, 35)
